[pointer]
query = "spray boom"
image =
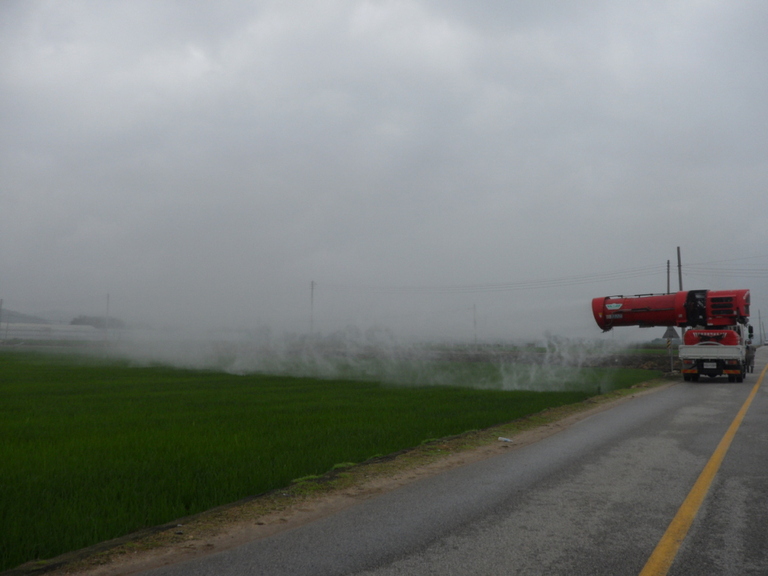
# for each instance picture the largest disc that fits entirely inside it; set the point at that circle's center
(705, 308)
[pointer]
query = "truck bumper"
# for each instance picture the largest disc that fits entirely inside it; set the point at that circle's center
(692, 373)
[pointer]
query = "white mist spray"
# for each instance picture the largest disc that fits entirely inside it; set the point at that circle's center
(554, 364)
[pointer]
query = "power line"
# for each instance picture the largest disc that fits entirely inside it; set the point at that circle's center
(730, 260)
(511, 286)
(701, 269)
(742, 272)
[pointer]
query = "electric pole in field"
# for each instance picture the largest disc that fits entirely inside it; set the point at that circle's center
(106, 322)
(311, 307)
(679, 269)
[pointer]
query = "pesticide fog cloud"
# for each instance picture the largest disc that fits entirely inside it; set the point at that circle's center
(426, 169)
(553, 364)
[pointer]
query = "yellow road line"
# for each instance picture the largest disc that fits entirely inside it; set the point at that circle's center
(664, 554)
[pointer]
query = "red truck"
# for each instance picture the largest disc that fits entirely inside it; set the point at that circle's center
(719, 340)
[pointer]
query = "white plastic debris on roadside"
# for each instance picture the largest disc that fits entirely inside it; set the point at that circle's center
(502, 439)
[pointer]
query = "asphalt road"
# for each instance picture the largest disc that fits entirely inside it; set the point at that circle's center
(593, 499)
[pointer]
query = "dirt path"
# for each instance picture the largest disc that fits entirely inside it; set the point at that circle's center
(230, 526)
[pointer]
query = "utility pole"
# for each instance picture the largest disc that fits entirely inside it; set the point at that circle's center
(667, 276)
(106, 322)
(474, 321)
(680, 279)
(311, 307)
(762, 327)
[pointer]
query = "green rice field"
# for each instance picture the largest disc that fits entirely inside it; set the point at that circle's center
(94, 449)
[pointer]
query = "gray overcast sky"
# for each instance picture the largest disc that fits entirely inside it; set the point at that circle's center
(420, 160)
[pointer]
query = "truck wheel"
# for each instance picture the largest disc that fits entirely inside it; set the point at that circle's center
(740, 378)
(694, 377)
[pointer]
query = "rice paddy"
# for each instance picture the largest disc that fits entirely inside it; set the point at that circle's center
(92, 449)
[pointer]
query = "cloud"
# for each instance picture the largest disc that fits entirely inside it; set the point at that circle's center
(207, 162)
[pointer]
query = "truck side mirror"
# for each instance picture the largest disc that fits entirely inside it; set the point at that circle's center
(751, 331)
